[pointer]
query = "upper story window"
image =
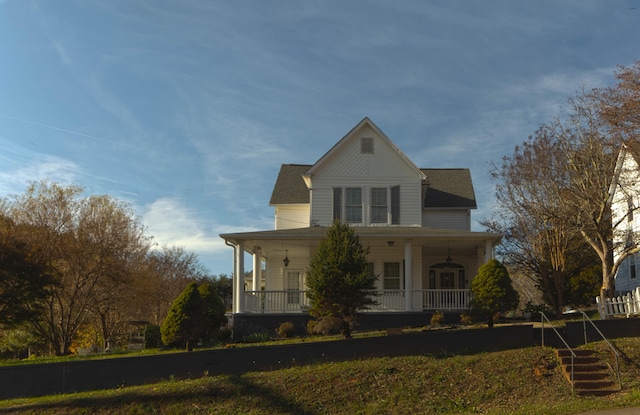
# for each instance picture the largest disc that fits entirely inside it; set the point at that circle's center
(379, 209)
(354, 205)
(630, 208)
(337, 204)
(382, 205)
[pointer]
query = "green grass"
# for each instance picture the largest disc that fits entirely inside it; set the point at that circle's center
(504, 382)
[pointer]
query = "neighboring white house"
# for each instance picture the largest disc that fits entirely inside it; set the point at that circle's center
(625, 217)
(415, 222)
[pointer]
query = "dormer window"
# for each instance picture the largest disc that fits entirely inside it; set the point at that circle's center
(366, 145)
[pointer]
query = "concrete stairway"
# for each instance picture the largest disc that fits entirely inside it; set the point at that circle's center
(592, 376)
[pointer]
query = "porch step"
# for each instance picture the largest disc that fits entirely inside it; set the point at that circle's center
(591, 376)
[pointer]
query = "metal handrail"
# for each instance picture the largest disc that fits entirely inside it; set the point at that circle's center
(543, 317)
(615, 352)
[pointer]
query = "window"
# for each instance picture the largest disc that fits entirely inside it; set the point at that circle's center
(632, 266)
(370, 269)
(391, 280)
(337, 204)
(354, 205)
(366, 145)
(379, 205)
(630, 209)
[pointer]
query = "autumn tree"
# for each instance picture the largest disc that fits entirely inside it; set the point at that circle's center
(337, 278)
(165, 274)
(492, 291)
(25, 278)
(89, 241)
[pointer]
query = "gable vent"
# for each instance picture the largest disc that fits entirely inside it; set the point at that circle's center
(366, 145)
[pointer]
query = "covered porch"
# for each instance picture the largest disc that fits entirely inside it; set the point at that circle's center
(419, 269)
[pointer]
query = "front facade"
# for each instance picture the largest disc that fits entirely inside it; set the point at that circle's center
(415, 222)
(625, 216)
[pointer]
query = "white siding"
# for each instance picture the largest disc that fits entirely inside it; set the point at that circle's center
(447, 219)
(349, 168)
(292, 216)
(628, 187)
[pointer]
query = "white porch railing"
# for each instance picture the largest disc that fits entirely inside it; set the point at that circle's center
(625, 305)
(285, 301)
(446, 299)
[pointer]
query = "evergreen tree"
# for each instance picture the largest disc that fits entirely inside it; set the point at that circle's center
(338, 280)
(492, 290)
(183, 324)
(213, 311)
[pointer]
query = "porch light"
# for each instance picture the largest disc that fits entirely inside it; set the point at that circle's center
(448, 261)
(390, 243)
(286, 258)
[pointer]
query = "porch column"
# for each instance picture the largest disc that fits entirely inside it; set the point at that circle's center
(238, 283)
(408, 283)
(488, 250)
(257, 269)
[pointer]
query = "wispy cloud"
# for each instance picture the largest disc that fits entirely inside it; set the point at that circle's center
(170, 223)
(22, 166)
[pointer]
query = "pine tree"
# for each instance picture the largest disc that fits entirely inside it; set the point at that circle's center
(492, 290)
(338, 281)
(213, 311)
(183, 324)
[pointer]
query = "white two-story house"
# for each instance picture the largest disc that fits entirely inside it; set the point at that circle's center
(626, 217)
(416, 223)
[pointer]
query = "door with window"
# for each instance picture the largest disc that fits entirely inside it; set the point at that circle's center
(292, 285)
(446, 280)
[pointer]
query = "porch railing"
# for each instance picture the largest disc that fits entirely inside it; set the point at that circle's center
(446, 299)
(294, 301)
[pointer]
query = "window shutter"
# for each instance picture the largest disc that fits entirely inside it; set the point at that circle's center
(395, 205)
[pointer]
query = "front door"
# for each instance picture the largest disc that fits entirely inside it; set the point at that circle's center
(292, 286)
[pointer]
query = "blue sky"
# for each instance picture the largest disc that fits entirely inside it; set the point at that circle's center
(186, 109)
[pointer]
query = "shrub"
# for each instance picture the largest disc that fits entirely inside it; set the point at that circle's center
(311, 325)
(285, 330)
(437, 318)
(465, 319)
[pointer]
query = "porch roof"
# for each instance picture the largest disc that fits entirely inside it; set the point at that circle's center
(317, 233)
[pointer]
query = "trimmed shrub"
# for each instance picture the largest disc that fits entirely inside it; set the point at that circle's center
(286, 330)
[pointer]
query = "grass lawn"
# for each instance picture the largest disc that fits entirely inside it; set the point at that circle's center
(523, 381)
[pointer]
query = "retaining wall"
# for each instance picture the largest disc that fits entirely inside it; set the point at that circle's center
(74, 376)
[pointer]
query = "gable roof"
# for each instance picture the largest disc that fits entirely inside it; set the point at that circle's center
(351, 135)
(449, 188)
(290, 187)
(445, 188)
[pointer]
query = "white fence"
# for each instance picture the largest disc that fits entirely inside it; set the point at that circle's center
(624, 305)
(294, 301)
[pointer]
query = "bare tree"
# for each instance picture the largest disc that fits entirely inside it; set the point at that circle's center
(559, 184)
(531, 214)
